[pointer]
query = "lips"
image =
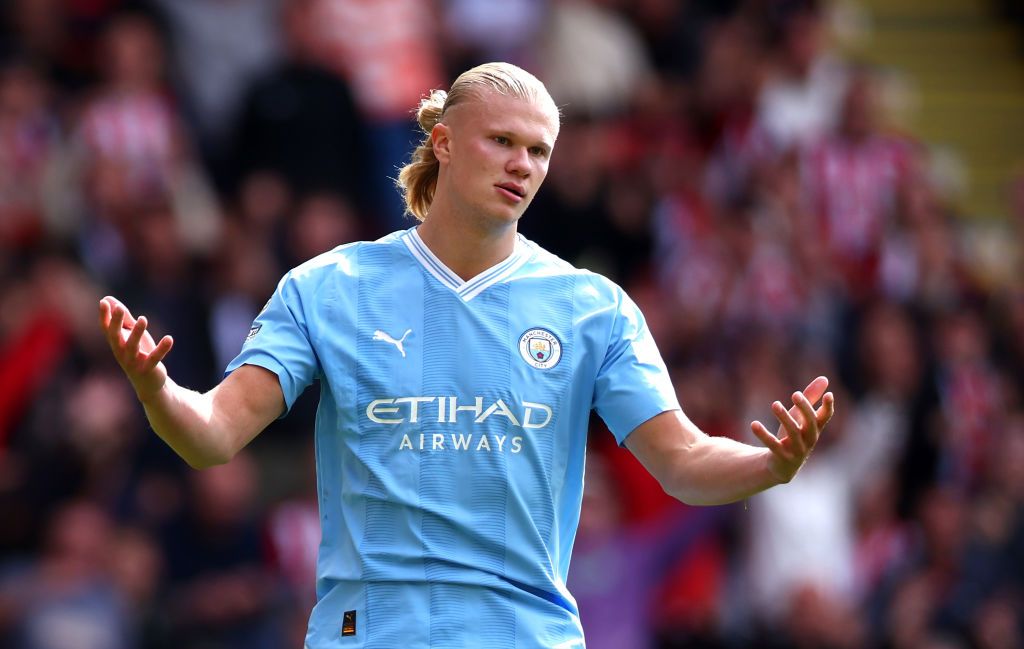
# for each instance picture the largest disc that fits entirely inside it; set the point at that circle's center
(512, 188)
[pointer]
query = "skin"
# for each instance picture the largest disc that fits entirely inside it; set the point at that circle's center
(482, 146)
(204, 429)
(485, 148)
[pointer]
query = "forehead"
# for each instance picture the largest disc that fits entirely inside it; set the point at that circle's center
(494, 111)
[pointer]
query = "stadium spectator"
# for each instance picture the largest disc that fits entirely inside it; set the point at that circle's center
(855, 182)
(218, 48)
(592, 58)
(474, 32)
(129, 152)
(299, 119)
(220, 590)
(29, 136)
(67, 598)
(800, 98)
(388, 70)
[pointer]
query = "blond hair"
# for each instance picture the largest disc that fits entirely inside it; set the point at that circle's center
(418, 180)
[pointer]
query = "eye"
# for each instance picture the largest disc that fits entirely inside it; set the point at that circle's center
(539, 151)
(501, 139)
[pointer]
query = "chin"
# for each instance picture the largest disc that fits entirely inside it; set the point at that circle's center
(503, 214)
(505, 219)
(515, 214)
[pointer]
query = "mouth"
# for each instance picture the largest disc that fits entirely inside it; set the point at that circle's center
(511, 191)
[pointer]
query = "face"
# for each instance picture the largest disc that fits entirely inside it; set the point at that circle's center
(494, 153)
(135, 54)
(858, 114)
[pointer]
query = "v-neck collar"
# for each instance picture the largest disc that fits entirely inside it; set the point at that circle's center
(466, 289)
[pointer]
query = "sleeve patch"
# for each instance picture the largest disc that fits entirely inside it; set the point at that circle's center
(252, 332)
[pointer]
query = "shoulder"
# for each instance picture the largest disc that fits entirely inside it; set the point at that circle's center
(589, 288)
(346, 261)
(340, 261)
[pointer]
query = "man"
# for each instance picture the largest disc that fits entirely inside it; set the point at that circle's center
(458, 365)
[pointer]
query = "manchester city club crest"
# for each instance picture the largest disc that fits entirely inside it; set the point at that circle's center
(540, 348)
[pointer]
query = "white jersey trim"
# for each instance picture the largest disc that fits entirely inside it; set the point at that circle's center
(467, 290)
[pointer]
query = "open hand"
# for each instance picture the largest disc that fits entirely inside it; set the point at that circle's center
(799, 430)
(134, 348)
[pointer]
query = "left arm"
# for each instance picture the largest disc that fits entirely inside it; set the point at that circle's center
(702, 470)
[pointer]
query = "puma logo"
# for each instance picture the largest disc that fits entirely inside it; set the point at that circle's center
(383, 335)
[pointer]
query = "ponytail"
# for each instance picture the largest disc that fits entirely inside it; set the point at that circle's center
(418, 179)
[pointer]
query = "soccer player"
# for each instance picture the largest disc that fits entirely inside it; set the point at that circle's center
(458, 365)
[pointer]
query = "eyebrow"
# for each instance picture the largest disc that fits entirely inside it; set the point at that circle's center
(547, 146)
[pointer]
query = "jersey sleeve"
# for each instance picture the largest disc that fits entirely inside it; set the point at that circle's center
(632, 383)
(279, 341)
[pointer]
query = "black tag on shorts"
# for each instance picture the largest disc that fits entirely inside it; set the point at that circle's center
(348, 624)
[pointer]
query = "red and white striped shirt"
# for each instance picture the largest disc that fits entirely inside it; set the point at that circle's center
(385, 48)
(853, 187)
(137, 131)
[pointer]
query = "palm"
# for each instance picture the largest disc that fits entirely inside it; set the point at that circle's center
(135, 350)
(799, 428)
(146, 343)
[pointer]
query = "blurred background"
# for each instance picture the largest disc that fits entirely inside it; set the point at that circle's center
(786, 187)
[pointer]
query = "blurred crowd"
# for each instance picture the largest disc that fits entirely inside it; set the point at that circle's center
(720, 159)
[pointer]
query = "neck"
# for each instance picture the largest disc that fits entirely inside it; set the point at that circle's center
(466, 246)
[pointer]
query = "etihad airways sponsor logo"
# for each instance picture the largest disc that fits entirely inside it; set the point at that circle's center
(448, 410)
(462, 442)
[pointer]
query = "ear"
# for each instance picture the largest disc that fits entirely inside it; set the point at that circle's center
(440, 139)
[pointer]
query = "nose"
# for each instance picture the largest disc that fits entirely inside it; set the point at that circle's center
(518, 162)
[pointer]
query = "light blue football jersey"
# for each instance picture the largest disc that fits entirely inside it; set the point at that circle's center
(451, 433)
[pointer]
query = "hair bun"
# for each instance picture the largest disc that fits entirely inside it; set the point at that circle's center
(430, 110)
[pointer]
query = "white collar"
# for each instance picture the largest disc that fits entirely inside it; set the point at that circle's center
(467, 289)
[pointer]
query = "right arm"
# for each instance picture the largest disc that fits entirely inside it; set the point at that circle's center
(205, 429)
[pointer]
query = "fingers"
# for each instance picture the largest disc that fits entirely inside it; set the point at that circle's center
(824, 412)
(790, 425)
(114, 303)
(132, 344)
(158, 354)
(134, 349)
(809, 431)
(816, 389)
(802, 425)
(116, 322)
(111, 327)
(769, 440)
(803, 434)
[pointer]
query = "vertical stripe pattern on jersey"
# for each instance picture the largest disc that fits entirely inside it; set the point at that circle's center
(439, 487)
(382, 526)
(490, 487)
